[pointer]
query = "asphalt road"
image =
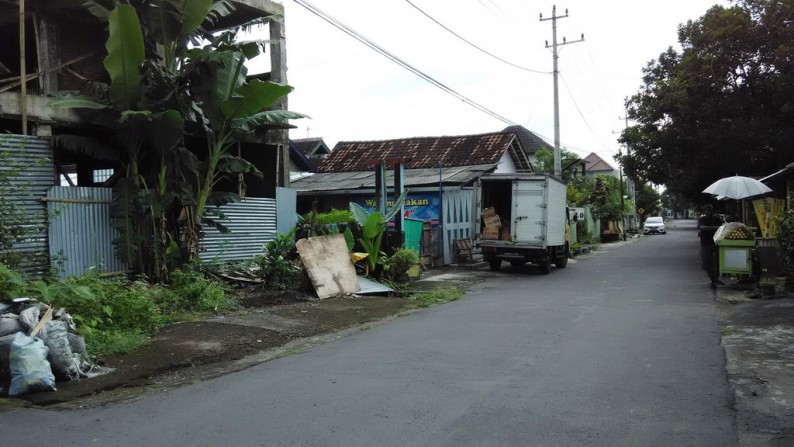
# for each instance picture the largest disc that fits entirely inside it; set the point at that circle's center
(618, 349)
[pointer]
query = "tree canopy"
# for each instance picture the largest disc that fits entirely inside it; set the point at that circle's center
(723, 105)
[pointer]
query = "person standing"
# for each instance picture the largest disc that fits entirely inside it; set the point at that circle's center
(708, 224)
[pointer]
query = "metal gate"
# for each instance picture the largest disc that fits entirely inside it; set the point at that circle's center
(457, 219)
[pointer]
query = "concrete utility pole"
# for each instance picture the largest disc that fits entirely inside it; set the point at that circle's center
(553, 46)
(630, 187)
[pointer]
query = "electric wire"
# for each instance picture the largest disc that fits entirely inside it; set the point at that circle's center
(372, 45)
(472, 44)
(565, 84)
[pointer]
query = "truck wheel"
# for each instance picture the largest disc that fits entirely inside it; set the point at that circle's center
(545, 265)
(517, 264)
(562, 260)
(495, 264)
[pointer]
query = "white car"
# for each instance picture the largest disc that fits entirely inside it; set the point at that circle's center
(654, 225)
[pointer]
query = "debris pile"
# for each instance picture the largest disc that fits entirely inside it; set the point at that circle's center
(38, 345)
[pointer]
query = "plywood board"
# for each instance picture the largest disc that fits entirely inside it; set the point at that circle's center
(327, 261)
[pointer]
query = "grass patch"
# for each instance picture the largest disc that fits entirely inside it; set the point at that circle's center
(728, 330)
(114, 342)
(434, 297)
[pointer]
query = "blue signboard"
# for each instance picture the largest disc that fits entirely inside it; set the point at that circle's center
(416, 206)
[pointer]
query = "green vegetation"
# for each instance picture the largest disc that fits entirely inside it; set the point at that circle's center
(116, 315)
(722, 105)
(373, 226)
(785, 235)
(161, 89)
(434, 297)
(276, 266)
(397, 265)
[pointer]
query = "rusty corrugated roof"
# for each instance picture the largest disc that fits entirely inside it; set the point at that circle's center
(425, 152)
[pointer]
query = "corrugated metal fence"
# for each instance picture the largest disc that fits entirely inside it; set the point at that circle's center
(253, 222)
(80, 232)
(33, 157)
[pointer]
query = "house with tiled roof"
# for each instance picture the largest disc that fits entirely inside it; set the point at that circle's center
(439, 173)
(313, 148)
(530, 142)
(305, 155)
(595, 165)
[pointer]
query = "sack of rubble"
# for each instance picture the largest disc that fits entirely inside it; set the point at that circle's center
(64, 363)
(30, 370)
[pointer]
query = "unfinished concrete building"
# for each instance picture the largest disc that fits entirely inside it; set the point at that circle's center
(63, 47)
(55, 46)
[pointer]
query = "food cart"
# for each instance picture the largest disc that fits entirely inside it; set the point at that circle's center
(735, 243)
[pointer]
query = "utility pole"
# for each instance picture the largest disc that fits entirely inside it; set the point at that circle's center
(555, 56)
(630, 187)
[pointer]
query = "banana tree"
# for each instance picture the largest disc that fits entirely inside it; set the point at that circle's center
(373, 226)
(156, 77)
(229, 107)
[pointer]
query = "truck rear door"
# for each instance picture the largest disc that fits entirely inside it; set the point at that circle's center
(529, 212)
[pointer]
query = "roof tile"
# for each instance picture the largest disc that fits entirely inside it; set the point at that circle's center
(419, 152)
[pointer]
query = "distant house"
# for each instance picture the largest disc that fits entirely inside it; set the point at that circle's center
(439, 174)
(306, 155)
(313, 148)
(530, 142)
(595, 165)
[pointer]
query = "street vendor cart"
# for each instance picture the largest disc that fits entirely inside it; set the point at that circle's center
(735, 244)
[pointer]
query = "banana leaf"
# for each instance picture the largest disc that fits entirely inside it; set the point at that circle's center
(126, 53)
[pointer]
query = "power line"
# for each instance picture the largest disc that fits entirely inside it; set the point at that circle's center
(474, 45)
(565, 84)
(352, 33)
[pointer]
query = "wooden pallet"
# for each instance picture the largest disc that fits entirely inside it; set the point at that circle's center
(463, 250)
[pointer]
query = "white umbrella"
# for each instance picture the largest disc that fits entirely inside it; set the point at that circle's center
(737, 187)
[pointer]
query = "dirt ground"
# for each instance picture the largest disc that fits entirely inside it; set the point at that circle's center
(268, 325)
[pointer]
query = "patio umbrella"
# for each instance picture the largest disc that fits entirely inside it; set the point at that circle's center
(737, 187)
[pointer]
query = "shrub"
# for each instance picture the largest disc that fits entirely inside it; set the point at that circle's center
(110, 304)
(191, 291)
(277, 269)
(785, 235)
(398, 264)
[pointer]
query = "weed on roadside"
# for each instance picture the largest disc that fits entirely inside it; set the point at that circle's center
(434, 297)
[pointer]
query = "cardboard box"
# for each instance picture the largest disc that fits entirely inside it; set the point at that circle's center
(490, 233)
(504, 233)
(492, 221)
(488, 212)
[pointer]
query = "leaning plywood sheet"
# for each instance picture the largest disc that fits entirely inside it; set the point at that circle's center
(329, 266)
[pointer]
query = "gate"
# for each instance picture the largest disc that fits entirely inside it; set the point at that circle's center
(457, 209)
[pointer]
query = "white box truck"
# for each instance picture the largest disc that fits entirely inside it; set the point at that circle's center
(532, 220)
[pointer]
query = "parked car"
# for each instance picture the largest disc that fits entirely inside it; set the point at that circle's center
(654, 225)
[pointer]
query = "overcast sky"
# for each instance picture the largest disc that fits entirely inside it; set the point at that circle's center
(352, 93)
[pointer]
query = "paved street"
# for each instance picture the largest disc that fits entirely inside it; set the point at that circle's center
(619, 349)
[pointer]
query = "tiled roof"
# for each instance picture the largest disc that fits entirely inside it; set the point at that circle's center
(594, 163)
(308, 146)
(425, 152)
(530, 142)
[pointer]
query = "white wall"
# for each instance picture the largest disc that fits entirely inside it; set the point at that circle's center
(506, 165)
